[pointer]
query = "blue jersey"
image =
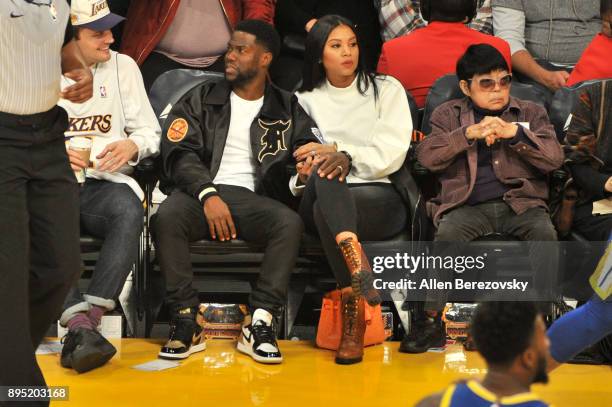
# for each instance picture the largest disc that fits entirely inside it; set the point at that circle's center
(473, 394)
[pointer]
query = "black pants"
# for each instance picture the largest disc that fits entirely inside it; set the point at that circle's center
(592, 227)
(156, 64)
(470, 222)
(180, 220)
(372, 211)
(39, 244)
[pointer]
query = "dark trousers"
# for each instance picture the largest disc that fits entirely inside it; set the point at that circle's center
(180, 220)
(592, 227)
(39, 247)
(372, 211)
(470, 222)
(156, 64)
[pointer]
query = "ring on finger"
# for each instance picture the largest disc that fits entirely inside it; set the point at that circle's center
(339, 167)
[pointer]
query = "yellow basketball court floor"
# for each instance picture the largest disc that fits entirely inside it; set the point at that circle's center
(221, 376)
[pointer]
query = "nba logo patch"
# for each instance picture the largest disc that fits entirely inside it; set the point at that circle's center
(103, 91)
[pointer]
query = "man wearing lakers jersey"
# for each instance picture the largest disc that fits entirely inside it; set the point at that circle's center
(511, 337)
(123, 129)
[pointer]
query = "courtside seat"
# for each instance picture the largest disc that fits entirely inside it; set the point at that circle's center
(509, 254)
(563, 103)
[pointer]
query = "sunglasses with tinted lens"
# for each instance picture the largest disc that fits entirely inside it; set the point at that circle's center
(488, 84)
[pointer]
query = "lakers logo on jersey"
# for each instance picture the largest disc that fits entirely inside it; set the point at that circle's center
(273, 139)
(90, 124)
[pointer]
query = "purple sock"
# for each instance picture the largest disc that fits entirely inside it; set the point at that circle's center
(95, 315)
(80, 320)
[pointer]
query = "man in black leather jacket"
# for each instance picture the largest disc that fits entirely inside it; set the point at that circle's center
(226, 149)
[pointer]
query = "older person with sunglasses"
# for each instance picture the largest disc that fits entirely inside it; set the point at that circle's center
(492, 153)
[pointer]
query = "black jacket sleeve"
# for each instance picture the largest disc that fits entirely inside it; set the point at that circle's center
(183, 146)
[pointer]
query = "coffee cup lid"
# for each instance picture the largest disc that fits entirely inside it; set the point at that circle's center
(80, 142)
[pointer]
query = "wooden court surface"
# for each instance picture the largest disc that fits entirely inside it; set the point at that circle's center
(221, 376)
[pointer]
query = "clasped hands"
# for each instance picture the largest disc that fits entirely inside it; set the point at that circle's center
(491, 129)
(330, 162)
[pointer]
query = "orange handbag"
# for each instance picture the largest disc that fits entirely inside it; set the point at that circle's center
(329, 331)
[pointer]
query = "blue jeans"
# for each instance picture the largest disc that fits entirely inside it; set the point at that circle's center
(111, 212)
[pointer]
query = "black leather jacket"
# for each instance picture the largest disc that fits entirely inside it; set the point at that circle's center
(196, 129)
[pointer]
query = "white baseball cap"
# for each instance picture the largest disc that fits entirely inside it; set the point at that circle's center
(93, 14)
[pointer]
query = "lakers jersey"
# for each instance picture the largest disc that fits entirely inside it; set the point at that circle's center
(473, 394)
(118, 109)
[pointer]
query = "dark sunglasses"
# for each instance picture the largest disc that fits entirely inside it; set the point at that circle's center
(488, 84)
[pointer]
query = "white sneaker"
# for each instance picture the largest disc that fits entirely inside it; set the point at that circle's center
(258, 339)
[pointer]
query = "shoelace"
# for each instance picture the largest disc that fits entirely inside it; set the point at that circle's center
(351, 312)
(263, 333)
(349, 251)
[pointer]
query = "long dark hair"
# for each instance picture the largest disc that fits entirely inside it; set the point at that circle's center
(313, 74)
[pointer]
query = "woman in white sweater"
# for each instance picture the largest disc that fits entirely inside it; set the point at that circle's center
(365, 116)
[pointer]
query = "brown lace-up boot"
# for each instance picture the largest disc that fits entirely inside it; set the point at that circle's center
(353, 329)
(362, 279)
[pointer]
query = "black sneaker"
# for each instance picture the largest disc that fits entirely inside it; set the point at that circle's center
(85, 349)
(424, 335)
(186, 336)
(258, 339)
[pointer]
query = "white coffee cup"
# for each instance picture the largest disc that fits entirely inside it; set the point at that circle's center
(81, 146)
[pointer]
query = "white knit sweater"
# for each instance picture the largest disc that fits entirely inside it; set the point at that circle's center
(376, 134)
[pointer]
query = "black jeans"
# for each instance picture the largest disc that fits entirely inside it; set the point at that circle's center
(180, 220)
(470, 222)
(39, 247)
(373, 211)
(592, 227)
(156, 64)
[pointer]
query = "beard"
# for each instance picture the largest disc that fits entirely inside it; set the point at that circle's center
(242, 77)
(540, 375)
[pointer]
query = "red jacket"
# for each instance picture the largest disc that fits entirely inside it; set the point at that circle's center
(594, 62)
(421, 57)
(149, 20)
